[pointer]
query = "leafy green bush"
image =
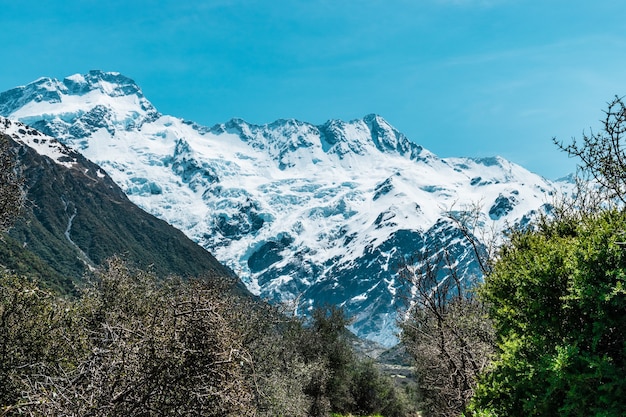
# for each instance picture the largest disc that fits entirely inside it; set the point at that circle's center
(558, 298)
(36, 331)
(346, 383)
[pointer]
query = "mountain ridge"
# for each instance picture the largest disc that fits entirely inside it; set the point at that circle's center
(301, 212)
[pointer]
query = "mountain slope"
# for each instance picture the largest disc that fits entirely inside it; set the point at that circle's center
(314, 213)
(76, 217)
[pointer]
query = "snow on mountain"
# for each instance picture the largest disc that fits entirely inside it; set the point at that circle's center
(318, 213)
(43, 144)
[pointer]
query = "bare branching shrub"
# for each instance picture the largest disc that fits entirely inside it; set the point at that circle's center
(602, 156)
(132, 345)
(150, 350)
(280, 372)
(447, 332)
(33, 324)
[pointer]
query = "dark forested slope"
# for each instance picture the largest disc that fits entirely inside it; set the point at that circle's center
(76, 217)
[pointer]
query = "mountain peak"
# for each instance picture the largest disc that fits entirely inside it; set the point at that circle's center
(358, 136)
(374, 118)
(83, 103)
(112, 84)
(387, 138)
(51, 90)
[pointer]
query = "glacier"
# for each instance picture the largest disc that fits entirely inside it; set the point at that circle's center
(306, 214)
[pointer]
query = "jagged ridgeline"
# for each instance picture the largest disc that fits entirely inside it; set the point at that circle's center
(75, 217)
(321, 214)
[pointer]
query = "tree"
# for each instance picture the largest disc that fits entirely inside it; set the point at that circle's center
(376, 394)
(558, 300)
(326, 345)
(446, 328)
(11, 194)
(341, 381)
(557, 295)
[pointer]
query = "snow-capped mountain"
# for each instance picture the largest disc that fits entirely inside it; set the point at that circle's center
(321, 214)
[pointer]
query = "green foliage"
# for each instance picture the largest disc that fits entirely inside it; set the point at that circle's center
(346, 383)
(558, 301)
(376, 394)
(11, 195)
(328, 343)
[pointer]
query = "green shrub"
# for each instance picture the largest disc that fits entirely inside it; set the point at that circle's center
(558, 299)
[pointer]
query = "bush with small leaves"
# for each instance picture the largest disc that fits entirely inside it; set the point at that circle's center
(11, 193)
(558, 299)
(37, 331)
(129, 346)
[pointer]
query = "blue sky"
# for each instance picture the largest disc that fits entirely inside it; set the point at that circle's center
(459, 77)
